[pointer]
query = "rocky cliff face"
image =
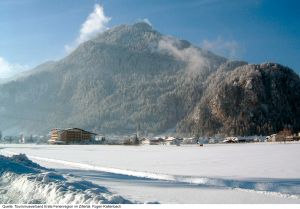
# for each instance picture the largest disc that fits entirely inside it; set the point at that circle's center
(132, 75)
(247, 99)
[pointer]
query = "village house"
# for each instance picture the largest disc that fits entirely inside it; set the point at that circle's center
(169, 140)
(294, 137)
(145, 141)
(230, 140)
(282, 136)
(248, 139)
(276, 138)
(192, 140)
(71, 136)
(22, 139)
(154, 141)
(241, 139)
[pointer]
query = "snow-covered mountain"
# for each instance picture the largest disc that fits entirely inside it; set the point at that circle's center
(132, 74)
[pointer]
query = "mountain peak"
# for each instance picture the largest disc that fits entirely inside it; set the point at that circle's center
(138, 36)
(136, 29)
(142, 26)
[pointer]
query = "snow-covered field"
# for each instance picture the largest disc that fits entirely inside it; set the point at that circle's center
(228, 173)
(22, 181)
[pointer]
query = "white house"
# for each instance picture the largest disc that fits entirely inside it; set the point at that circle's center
(169, 140)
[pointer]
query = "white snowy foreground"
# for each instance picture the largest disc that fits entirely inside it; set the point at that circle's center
(22, 181)
(228, 173)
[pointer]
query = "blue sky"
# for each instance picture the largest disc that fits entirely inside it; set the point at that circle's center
(34, 31)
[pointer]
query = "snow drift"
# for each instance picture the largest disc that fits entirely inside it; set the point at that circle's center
(23, 181)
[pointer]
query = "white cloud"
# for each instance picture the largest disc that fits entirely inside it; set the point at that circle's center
(191, 55)
(146, 20)
(230, 49)
(8, 70)
(95, 23)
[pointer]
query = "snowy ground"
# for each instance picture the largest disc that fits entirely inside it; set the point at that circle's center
(22, 181)
(230, 173)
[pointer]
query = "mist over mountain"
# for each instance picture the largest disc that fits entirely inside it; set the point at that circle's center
(132, 74)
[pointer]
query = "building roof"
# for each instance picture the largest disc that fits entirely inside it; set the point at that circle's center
(74, 129)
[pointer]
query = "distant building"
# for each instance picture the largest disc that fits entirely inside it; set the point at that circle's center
(132, 140)
(283, 136)
(169, 140)
(230, 140)
(292, 138)
(247, 139)
(145, 141)
(276, 138)
(71, 136)
(99, 137)
(154, 141)
(22, 139)
(192, 140)
(241, 139)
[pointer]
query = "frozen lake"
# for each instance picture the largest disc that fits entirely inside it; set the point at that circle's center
(220, 173)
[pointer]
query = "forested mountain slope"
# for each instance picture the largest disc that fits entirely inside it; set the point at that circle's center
(132, 74)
